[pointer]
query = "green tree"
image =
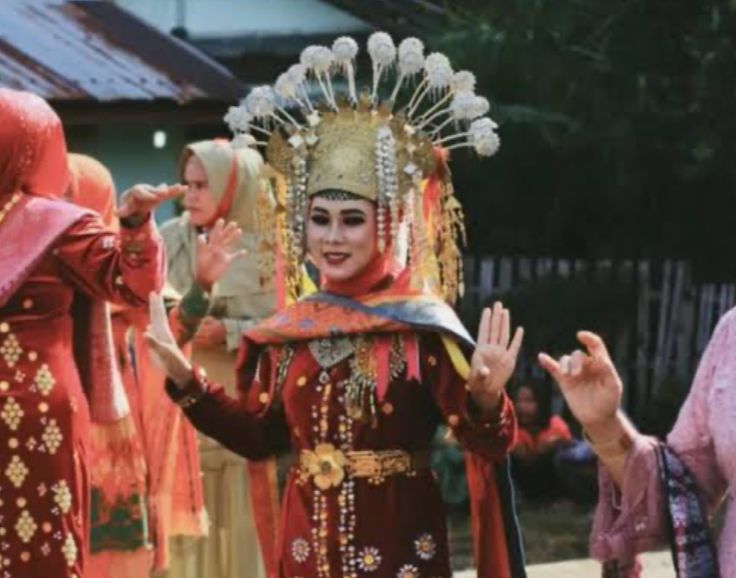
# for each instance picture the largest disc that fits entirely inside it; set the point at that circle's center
(618, 122)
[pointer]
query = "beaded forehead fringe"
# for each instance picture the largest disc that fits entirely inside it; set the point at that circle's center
(416, 206)
(338, 195)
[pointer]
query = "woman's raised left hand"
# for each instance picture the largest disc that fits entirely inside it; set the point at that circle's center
(494, 358)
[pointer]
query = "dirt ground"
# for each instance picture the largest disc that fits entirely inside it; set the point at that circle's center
(656, 565)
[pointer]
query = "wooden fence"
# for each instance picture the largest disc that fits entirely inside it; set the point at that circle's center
(668, 327)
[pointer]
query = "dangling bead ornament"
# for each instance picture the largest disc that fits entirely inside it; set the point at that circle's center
(388, 187)
(297, 203)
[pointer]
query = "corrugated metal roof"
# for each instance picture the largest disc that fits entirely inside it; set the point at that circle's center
(93, 50)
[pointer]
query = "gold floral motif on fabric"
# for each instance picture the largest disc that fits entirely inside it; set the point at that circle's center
(16, 471)
(300, 550)
(52, 437)
(425, 546)
(26, 526)
(369, 559)
(69, 549)
(408, 571)
(12, 414)
(62, 496)
(44, 380)
(10, 350)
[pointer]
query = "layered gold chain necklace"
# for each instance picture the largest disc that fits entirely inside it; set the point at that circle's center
(10, 204)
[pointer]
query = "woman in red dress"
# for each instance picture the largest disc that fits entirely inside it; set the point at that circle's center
(357, 377)
(120, 544)
(57, 262)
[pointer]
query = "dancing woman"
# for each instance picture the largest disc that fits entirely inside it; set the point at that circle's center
(357, 377)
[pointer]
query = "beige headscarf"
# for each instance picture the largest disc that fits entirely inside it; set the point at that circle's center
(240, 169)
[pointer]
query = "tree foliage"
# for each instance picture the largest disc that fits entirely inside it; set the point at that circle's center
(618, 126)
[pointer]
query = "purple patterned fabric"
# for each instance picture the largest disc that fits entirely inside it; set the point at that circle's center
(693, 552)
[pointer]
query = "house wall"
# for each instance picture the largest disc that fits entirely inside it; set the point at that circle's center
(227, 18)
(128, 151)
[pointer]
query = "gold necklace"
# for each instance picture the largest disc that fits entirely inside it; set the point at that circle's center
(9, 205)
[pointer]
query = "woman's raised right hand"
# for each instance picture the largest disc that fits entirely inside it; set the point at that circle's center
(216, 251)
(590, 383)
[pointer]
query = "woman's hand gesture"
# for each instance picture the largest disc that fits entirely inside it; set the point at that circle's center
(216, 251)
(494, 358)
(163, 345)
(590, 383)
(141, 200)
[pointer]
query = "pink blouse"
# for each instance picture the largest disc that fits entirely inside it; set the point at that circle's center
(704, 437)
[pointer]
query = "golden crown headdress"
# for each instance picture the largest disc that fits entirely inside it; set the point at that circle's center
(374, 148)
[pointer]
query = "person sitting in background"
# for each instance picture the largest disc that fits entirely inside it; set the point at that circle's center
(541, 436)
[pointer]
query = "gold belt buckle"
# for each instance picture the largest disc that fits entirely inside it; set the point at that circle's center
(366, 464)
(327, 465)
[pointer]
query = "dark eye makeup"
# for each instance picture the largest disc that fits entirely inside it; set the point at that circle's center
(319, 218)
(349, 217)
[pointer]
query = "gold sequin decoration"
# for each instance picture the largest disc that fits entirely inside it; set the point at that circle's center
(16, 471)
(12, 413)
(25, 527)
(11, 350)
(62, 496)
(44, 380)
(52, 437)
(69, 549)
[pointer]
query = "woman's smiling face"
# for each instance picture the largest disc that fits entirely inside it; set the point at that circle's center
(341, 236)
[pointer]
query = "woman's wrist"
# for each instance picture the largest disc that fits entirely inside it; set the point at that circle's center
(188, 391)
(135, 220)
(610, 437)
(196, 302)
(183, 377)
(488, 403)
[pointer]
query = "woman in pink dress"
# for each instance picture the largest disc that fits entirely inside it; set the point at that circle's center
(651, 491)
(58, 263)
